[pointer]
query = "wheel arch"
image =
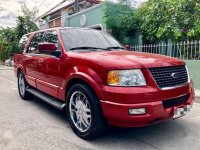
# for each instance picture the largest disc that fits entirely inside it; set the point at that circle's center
(18, 70)
(99, 122)
(84, 79)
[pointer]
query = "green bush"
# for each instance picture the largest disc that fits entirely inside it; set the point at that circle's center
(9, 37)
(4, 52)
(8, 43)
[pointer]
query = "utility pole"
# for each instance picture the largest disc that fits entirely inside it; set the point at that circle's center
(76, 5)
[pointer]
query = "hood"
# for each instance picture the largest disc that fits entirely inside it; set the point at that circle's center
(128, 59)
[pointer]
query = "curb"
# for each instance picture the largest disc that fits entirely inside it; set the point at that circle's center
(197, 96)
(4, 67)
(197, 93)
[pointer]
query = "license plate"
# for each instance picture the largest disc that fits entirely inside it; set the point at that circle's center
(179, 112)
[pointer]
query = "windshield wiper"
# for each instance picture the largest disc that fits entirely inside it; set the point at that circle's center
(90, 48)
(84, 47)
(115, 47)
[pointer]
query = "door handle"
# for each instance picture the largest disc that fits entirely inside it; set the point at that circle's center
(25, 59)
(40, 61)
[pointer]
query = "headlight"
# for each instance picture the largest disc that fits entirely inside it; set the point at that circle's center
(126, 78)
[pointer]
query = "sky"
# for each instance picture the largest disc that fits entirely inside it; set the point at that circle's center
(9, 9)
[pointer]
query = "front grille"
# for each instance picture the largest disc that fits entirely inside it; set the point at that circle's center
(175, 101)
(170, 76)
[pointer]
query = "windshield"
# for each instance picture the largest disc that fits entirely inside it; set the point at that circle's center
(88, 39)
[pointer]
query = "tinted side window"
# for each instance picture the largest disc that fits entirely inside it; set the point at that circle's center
(23, 41)
(52, 37)
(33, 47)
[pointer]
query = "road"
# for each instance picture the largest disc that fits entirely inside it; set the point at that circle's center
(35, 125)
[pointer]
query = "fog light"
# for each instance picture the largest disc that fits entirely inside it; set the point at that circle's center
(136, 111)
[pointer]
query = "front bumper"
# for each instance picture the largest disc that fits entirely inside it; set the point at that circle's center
(116, 113)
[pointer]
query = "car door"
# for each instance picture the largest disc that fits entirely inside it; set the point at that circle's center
(50, 78)
(31, 59)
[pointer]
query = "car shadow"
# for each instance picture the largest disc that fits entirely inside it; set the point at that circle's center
(58, 114)
(171, 132)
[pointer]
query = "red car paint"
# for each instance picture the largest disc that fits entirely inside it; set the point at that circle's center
(53, 75)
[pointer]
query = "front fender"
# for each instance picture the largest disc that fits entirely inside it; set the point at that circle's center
(17, 68)
(88, 75)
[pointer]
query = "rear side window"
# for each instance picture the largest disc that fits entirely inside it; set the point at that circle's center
(23, 41)
(33, 47)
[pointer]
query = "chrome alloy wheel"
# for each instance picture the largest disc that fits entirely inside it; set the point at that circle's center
(80, 111)
(21, 83)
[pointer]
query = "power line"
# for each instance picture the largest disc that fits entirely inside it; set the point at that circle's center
(41, 4)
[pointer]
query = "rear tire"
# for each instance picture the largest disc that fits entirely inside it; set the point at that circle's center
(84, 112)
(22, 85)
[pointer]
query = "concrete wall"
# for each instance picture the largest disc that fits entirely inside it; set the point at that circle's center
(94, 15)
(194, 70)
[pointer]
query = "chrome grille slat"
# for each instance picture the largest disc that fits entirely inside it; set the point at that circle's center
(164, 79)
(161, 78)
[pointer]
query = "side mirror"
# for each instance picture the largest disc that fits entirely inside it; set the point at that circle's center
(47, 48)
(128, 47)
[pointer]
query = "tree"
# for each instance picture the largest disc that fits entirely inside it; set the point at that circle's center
(160, 20)
(114, 16)
(21, 27)
(9, 37)
(25, 23)
(8, 43)
(30, 16)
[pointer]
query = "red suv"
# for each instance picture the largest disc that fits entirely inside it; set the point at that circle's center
(90, 75)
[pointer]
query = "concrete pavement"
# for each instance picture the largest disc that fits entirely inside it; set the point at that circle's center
(34, 124)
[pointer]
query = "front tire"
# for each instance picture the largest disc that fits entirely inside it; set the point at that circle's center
(84, 113)
(22, 85)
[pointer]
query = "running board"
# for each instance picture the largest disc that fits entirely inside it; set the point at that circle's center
(46, 98)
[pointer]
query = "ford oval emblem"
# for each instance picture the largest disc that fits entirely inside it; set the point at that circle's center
(174, 75)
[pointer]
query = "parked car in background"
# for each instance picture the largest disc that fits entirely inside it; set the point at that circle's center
(88, 74)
